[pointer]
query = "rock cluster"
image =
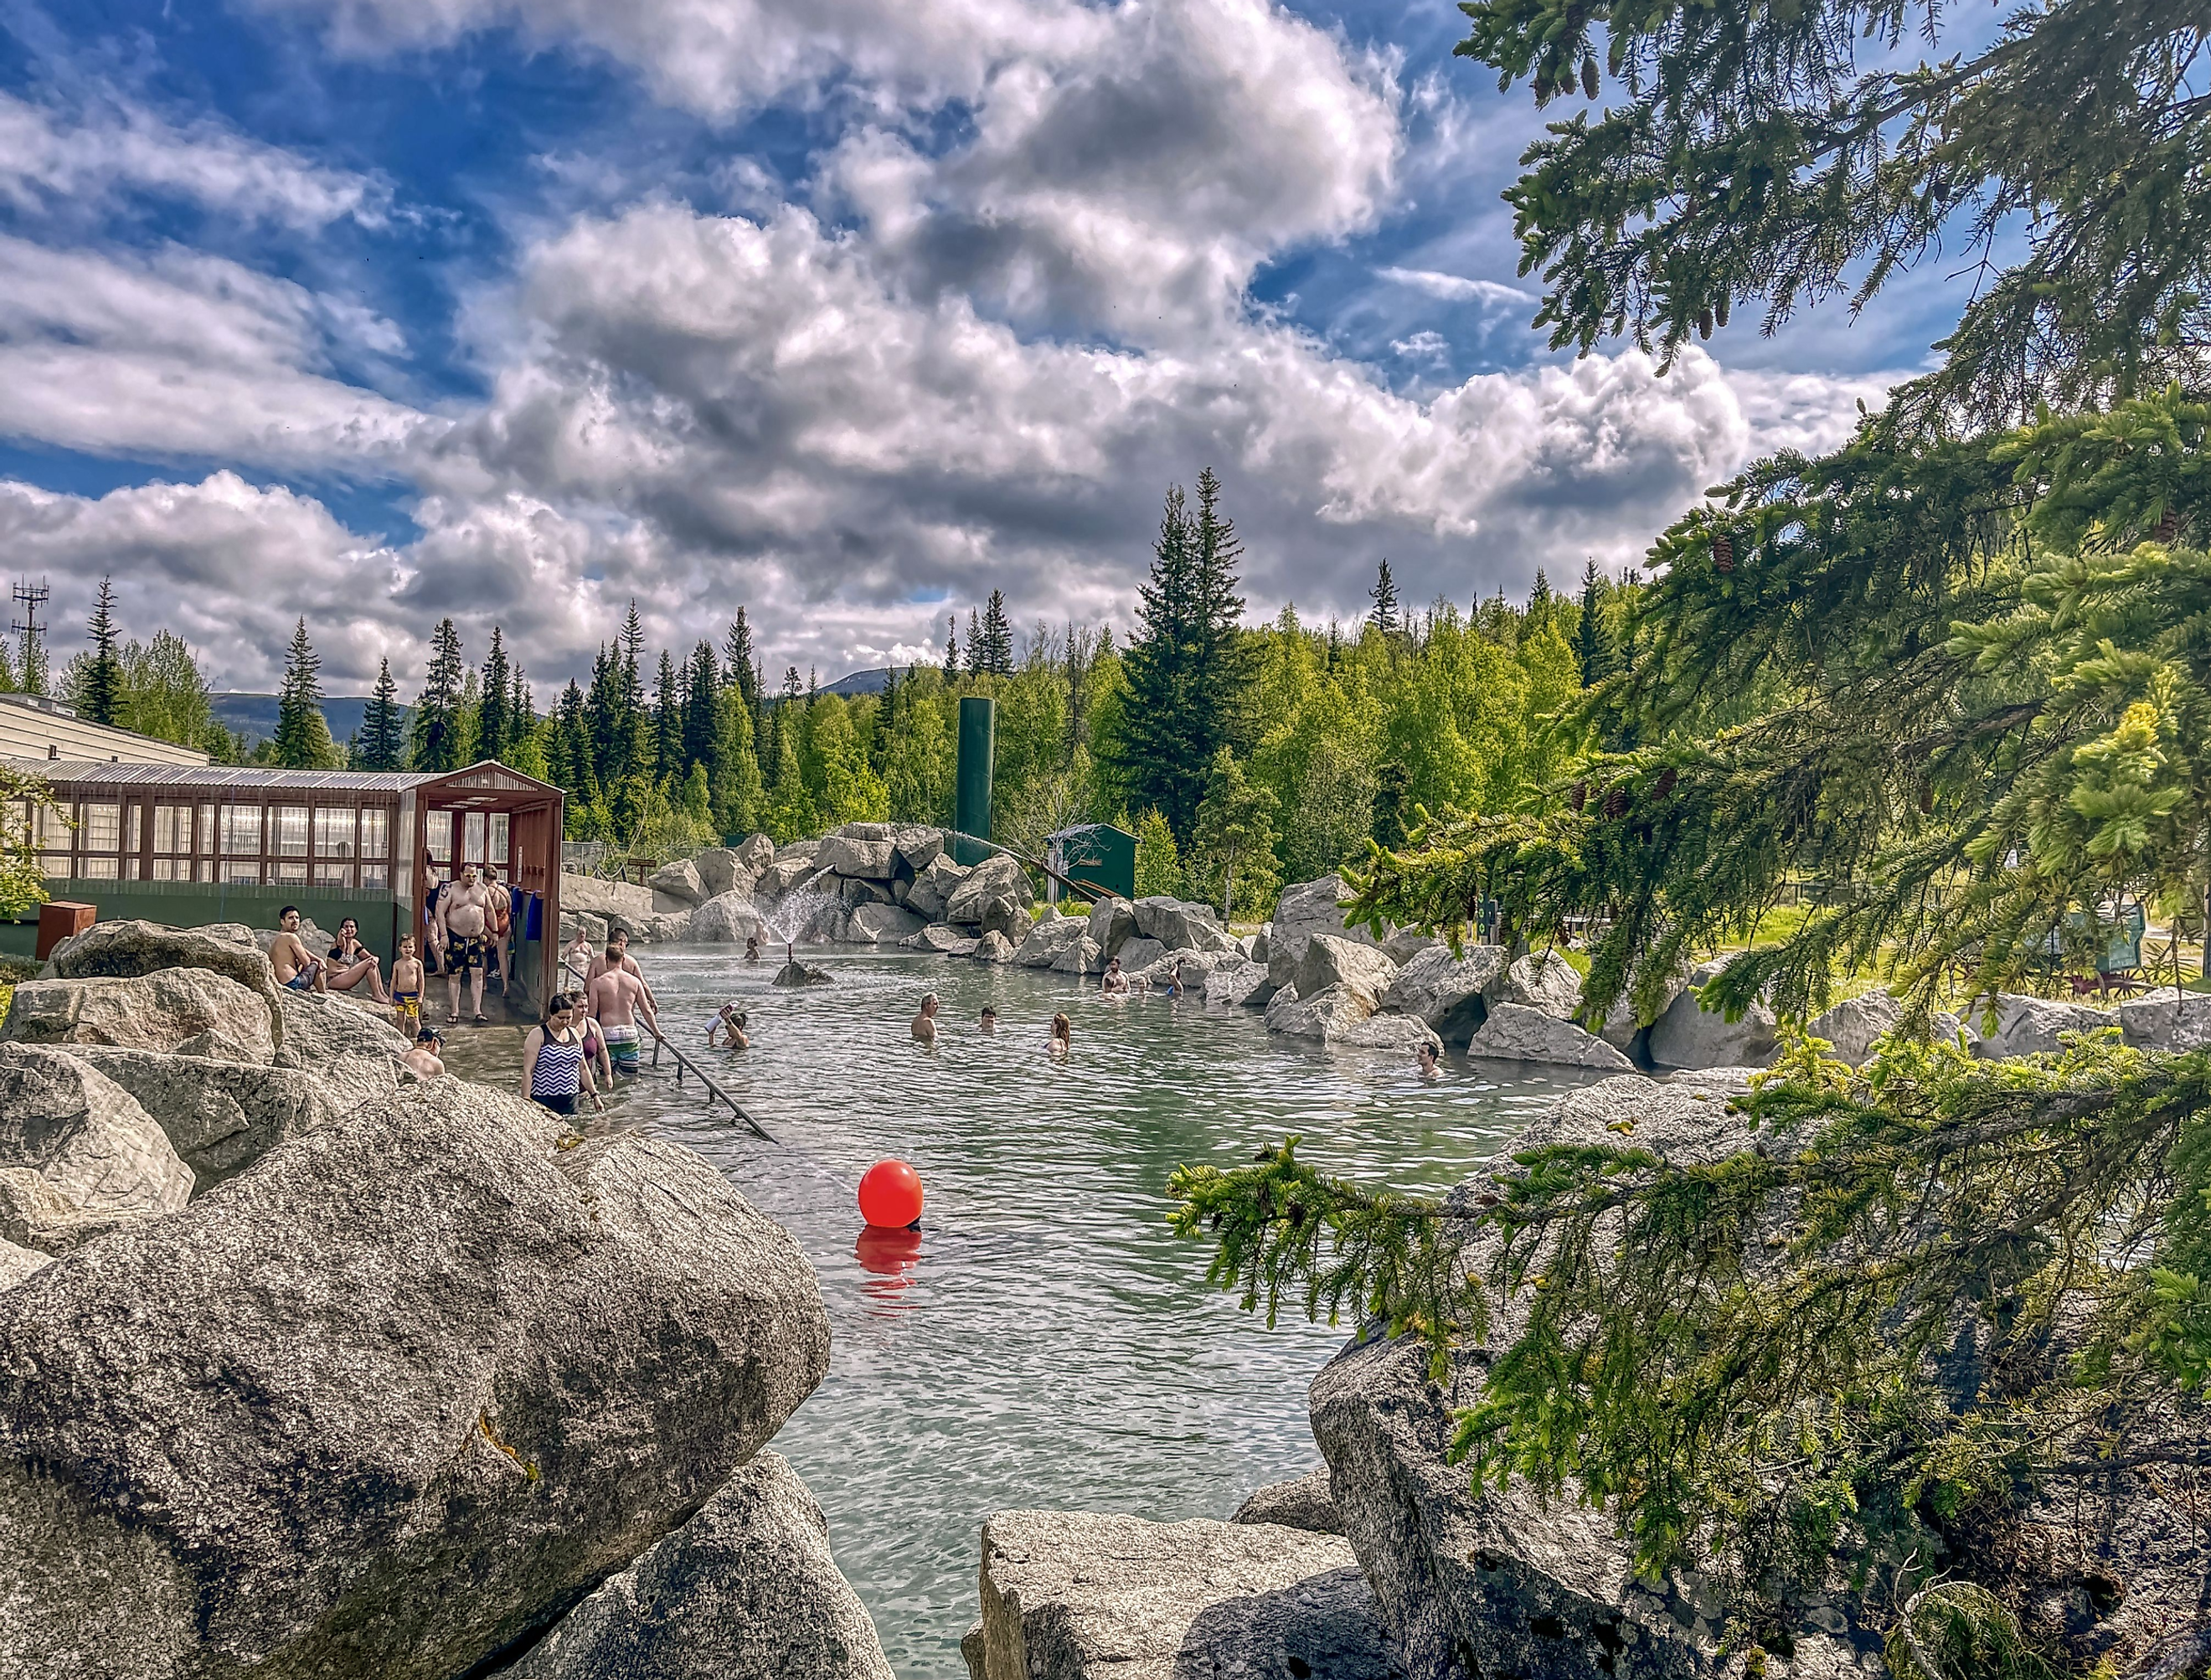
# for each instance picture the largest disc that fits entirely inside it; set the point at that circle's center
(290, 1353)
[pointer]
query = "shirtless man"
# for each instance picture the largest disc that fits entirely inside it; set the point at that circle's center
(924, 1024)
(502, 914)
(1113, 982)
(297, 967)
(464, 915)
(352, 962)
(618, 997)
(423, 1057)
(619, 941)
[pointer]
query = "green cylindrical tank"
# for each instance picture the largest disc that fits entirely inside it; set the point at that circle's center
(971, 799)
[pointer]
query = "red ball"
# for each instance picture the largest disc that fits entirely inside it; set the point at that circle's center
(890, 1195)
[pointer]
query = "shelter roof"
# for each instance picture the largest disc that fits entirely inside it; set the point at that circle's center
(213, 778)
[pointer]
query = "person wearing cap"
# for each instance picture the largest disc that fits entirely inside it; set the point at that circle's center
(424, 1057)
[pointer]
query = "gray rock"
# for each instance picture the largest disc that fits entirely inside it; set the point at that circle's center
(917, 847)
(1139, 953)
(1235, 983)
(2029, 1026)
(1330, 961)
(936, 936)
(802, 848)
(351, 1048)
(1083, 1596)
(1407, 942)
(780, 876)
(590, 894)
(756, 851)
(1047, 939)
(124, 950)
(861, 831)
(682, 881)
(1541, 981)
(1112, 924)
(1256, 949)
(1079, 958)
(1303, 910)
(271, 1431)
(34, 1215)
(1325, 1015)
(930, 894)
(745, 1591)
(971, 1650)
(1623, 1021)
(720, 871)
(795, 973)
(1445, 990)
(661, 927)
(86, 1136)
(728, 918)
(1853, 1025)
(2163, 1021)
(1302, 1503)
(995, 896)
(593, 928)
(858, 859)
(855, 892)
(1180, 926)
(993, 947)
(17, 1264)
(181, 1011)
(882, 925)
(1198, 968)
(222, 1117)
(1514, 1033)
(1689, 1036)
(1388, 1032)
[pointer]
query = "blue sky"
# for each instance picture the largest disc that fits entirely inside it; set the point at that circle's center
(848, 311)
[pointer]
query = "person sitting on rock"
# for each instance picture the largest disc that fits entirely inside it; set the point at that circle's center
(1113, 982)
(352, 962)
(1174, 987)
(924, 1024)
(424, 1057)
(729, 1027)
(298, 969)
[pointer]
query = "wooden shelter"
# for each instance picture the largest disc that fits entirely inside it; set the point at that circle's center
(203, 843)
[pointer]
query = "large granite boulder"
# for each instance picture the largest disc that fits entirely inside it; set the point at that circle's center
(755, 853)
(1387, 1032)
(798, 848)
(995, 896)
(744, 1591)
(855, 892)
(1112, 924)
(1502, 1582)
(933, 886)
(593, 928)
(1180, 925)
(1236, 982)
(34, 1215)
(993, 947)
(1445, 990)
(1197, 968)
(1082, 957)
(1325, 1015)
(915, 848)
(2030, 1026)
(1625, 1023)
(1689, 1036)
(440, 1342)
(1047, 939)
(182, 1011)
(728, 918)
(1313, 907)
(86, 1138)
(351, 1045)
(1139, 953)
(781, 877)
(1514, 1033)
(17, 1264)
(722, 870)
(124, 950)
(661, 927)
(1405, 943)
(2163, 1021)
(858, 859)
(937, 937)
(1086, 1596)
(1330, 961)
(1854, 1026)
(587, 894)
(881, 924)
(681, 882)
(1304, 1502)
(222, 1117)
(1541, 981)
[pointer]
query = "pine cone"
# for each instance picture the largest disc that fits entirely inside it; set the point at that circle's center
(1667, 779)
(1705, 322)
(1589, 76)
(1615, 804)
(1722, 553)
(2168, 528)
(1578, 795)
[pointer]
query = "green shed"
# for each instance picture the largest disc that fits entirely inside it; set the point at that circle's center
(1095, 855)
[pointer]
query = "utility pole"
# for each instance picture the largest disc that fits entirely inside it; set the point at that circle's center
(30, 597)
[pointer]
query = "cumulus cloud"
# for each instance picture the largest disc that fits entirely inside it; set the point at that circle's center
(53, 157)
(173, 353)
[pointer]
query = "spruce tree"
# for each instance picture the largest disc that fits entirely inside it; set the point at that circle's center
(303, 737)
(1156, 744)
(99, 692)
(632, 744)
(436, 727)
(383, 742)
(575, 763)
(495, 720)
(1234, 840)
(977, 656)
(702, 707)
(951, 646)
(997, 637)
(1383, 615)
(1595, 651)
(738, 664)
(1222, 666)
(668, 764)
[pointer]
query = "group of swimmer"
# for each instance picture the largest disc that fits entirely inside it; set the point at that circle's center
(924, 1025)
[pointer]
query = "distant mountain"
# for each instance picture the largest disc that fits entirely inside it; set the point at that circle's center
(862, 682)
(254, 716)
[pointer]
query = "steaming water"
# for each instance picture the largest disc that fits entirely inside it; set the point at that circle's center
(1046, 1342)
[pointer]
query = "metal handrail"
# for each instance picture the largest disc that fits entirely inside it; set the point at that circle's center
(682, 1061)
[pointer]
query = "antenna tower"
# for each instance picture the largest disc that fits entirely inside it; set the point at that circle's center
(30, 597)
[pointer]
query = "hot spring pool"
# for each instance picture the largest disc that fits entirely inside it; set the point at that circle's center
(1049, 1343)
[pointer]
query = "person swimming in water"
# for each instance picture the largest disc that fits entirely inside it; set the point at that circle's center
(730, 1027)
(1425, 1056)
(989, 1021)
(1062, 1035)
(1113, 982)
(924, 1024)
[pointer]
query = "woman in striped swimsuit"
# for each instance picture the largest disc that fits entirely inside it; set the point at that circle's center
(553, 1071)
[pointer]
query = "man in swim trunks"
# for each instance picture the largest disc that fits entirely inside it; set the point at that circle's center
(617, 1000)
(407, 988)
(298, 969)
(464, 913)
(619, 941)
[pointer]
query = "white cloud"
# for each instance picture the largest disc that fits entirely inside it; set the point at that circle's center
(54, 158)
(173, 353)
(1458, 288)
